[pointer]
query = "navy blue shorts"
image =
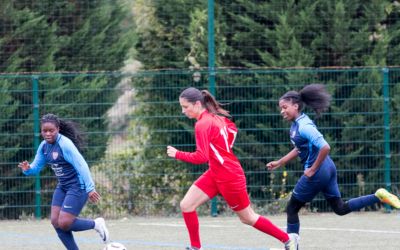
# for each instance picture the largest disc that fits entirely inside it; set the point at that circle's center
(324, 180)
(70, 200)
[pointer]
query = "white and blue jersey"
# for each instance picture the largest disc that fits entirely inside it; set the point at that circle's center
(308, 141)
(305, 136)
(66, 161)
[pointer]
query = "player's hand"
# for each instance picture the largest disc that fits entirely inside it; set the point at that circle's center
(24, 165)
(309, 172)
(273, 165)
(171, 151)
(94, 196)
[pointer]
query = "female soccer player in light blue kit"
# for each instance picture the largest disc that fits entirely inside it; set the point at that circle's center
(60, 150)
(313, 151)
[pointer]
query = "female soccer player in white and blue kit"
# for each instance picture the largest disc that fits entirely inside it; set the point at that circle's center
(313, 151)
(59, 150)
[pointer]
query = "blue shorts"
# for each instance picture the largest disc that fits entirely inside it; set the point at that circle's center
(70, 200)
(324, 180)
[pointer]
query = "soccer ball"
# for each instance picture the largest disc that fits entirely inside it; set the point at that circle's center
(114, 246)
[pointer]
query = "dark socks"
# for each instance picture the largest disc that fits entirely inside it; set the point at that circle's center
(80, 224)
(67, 239)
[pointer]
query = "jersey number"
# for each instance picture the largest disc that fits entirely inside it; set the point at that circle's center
(228, 146)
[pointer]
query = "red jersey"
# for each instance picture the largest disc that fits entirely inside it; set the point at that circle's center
(215, 136)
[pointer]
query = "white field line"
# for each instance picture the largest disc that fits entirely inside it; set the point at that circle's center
(303, 228)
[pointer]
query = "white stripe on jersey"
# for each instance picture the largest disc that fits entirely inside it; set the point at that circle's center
(224, 134)
(217, 154)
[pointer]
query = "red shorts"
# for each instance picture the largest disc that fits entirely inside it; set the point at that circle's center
(234, 192)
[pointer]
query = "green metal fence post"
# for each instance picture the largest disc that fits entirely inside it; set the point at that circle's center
(211, 47)
(36, 140)
(386, 131)
(211, 71)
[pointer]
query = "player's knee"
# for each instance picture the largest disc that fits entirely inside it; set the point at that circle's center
(54, 222)
(186, 206)
(248, 216)
(339, 207)
(340, 211)
(244, 221)
(292, 210)
(292, 216)
(247, 220)
(64, 224)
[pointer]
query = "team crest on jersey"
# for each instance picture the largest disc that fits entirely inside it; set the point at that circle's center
(54, 155)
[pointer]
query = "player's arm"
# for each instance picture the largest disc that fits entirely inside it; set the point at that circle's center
(200, 156)
(282, 161)
(323, 152)
(315, 138)
(74, 157)
(37, 165)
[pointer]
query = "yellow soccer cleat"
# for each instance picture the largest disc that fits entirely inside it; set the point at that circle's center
(388, 198)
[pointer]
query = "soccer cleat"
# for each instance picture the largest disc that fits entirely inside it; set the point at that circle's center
(293, 242)
(193, 248)
(100, 227)
(388, 198)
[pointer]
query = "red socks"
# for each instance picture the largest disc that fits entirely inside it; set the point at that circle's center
(266, 226)
(262, 224)
(192, 224)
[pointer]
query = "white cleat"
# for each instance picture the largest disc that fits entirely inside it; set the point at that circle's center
(100, 227)
(293, 242)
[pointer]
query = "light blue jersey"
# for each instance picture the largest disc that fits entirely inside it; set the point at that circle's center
(305, 136)
(66, 161)
(308, 141)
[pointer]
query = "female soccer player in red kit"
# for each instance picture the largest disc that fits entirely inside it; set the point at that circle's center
(215, 136)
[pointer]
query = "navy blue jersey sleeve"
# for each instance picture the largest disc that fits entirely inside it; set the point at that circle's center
(38, 163)
(74, 157)
(311, 133)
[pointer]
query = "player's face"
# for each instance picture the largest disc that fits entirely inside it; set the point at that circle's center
(289, 110)
(49, 132)
(191, 110)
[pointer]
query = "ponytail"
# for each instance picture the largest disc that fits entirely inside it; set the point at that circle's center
(313, 95)
(207, 100)
(212, 105)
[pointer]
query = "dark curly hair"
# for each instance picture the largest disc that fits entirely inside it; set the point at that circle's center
(67, 128)
(313, 95)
